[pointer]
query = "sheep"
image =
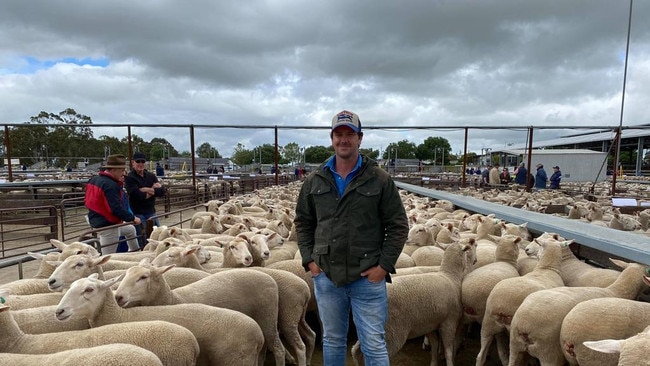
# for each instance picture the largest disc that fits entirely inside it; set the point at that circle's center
(536, 325)
(294, 297)
(236, 254)
(427, 256)
(144, 284)
(114, 354)
(73, 268)
(218, 331)
(616, 319)
(478, 283)
(633, 350)
(18, 302)
(286, 251)
(27, 286)
(421, 304)
(154, 336)
(295, 266)
(576, 273)
(509, 293)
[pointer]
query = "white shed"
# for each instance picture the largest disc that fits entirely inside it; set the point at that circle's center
(576, 165)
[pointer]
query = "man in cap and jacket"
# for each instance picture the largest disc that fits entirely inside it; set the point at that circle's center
(351, 227)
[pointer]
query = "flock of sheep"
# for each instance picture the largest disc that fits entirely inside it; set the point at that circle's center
(231, 289)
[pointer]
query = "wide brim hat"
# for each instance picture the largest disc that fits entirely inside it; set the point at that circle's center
(115, 162)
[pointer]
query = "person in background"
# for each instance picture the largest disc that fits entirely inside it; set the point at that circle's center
(107, 205)
(520, 174)
(160, 172)
(494, 175)
(351, 227)
(540, 177)
(143, 187)
(555, 178)
(485, 175)
(505, 177)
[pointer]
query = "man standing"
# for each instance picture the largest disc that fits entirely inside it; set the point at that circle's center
(555, 178)
(143, 188)
(107, 205)
(540, 177)
(351, 227)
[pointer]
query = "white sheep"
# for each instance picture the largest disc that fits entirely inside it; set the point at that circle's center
(508, 294)
(114, 354)
(478, 283)
(418, 305)
(154, 336)
(602, 318)
(633, 350)
(295, 266)
(73, 268)
(235, 254)
(535, 327)
(218, 331)
(144, 284)
(576, 273)
(286, 251)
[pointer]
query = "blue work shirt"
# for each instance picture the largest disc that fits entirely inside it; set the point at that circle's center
(340, 182)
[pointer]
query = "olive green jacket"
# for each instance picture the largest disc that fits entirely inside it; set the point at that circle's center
(347, 235)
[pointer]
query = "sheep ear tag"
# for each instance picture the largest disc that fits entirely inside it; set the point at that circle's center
(565, 244)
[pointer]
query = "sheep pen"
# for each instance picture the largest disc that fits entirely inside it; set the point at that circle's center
(412, 350)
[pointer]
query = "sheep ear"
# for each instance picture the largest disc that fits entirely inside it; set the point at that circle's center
(98, 261)
(160, 270)
(93, 276)
(36, 255)
(110, 282)
(605, 346)
(58, 244)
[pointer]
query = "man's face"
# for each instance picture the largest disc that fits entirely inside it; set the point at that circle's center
(346, 142)
(138, 165)
(117, 173)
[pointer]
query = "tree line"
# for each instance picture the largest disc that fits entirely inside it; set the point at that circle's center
(63, 139)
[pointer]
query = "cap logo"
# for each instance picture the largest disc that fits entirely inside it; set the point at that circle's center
(344, 117)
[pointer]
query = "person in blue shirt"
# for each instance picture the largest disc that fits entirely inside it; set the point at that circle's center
(540, 177)
(555, 179)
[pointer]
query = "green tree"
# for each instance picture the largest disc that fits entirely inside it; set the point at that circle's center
(402, 150)
(371, 153)
(434, 148)
(291, 152)
(205, 150)
(318, 154)
(241, 156)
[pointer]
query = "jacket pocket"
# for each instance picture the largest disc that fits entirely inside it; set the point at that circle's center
(366, 257)
(320, 255)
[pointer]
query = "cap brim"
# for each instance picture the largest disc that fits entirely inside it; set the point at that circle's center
(353, 127)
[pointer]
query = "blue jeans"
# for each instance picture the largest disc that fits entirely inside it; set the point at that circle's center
(144, 217)
(369, 305)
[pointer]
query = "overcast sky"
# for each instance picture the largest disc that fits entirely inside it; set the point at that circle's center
(296, 63)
